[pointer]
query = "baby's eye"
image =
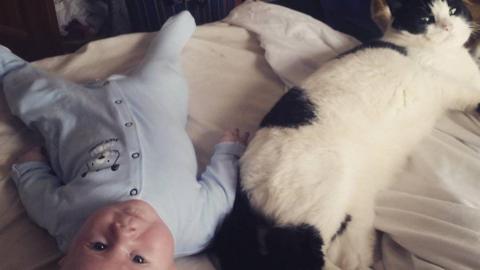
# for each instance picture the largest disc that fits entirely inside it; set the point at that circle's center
(138, 259)
(98, 246)
(453, 11)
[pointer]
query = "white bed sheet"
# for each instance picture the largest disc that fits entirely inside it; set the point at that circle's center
(430, 219)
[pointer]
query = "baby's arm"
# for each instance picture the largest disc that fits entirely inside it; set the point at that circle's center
(38, 188)
(220, 177)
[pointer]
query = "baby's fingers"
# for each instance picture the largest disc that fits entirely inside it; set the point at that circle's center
(244, 138)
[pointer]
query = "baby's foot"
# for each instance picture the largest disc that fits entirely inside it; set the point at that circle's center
(173, 35)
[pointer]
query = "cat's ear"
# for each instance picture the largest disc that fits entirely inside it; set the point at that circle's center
(395, 5)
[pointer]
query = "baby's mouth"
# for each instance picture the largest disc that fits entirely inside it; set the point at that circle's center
(138, 210)
(133, 212)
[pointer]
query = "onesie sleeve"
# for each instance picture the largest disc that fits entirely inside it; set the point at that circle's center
(221, 176)
(28, 90)
(39, 191)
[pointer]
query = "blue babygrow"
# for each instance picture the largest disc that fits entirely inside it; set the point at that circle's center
(119, 139)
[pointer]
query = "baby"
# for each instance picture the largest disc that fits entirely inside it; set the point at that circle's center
(119, 187)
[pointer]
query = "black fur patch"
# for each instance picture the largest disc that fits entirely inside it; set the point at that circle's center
(343, 227)
(248, 241)
(293, 110)
(376, 44)
(294, 248)
(236, 243)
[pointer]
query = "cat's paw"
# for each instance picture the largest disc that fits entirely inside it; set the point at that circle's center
(330, 266)
(347, 258)
(353, 250)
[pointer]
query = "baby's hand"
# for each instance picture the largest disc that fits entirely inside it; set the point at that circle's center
(235, 136)
(34, 154)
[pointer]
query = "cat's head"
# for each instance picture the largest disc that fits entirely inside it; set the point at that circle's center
(439, 21)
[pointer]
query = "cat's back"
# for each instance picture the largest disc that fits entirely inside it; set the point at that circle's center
(371, 85)
(454, 62)
(368, 71)
(387, 63)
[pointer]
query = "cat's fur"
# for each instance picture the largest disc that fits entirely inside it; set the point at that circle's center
(310, 175)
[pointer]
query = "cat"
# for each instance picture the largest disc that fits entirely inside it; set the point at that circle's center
(310, 175)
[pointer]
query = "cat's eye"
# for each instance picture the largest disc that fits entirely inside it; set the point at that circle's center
(138, 259)
(453, 11)
(427, 19)
(98, 246)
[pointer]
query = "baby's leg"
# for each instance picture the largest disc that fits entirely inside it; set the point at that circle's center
(159, 78)
(30, 92)
(168, 43)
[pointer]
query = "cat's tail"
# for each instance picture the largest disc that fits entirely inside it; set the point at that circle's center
(248, 241)
(236, 245)
(294, 248)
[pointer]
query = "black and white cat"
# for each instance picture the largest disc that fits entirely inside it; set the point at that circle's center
(310, 175)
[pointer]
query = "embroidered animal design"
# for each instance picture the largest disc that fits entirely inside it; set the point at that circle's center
(103, 156)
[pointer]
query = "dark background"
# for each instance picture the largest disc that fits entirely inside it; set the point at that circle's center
(30, 28)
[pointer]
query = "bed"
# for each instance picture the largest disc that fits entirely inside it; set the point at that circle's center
(237, 69)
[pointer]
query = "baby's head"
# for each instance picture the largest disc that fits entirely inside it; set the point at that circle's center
(125, 235)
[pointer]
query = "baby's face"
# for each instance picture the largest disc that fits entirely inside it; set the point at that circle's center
(125, 235)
